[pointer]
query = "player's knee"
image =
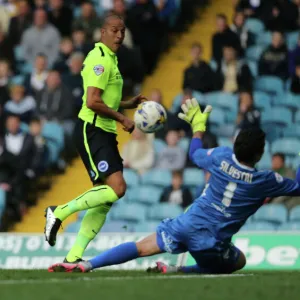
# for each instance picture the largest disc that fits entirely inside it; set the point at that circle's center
(117, 183)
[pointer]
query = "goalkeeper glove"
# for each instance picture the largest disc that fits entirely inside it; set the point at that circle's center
(192, 114)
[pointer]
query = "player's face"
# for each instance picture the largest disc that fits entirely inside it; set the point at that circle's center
(113, 33)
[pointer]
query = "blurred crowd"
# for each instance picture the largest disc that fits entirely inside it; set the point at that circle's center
(42, 47)
(231, 74)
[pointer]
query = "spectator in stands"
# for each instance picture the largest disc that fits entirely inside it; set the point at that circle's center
(6, 48)
(79, 41)
(55, 101)
(295, 82)
(199, 76)
(238, 27)
(177, 193)
(119, 8)
(20, 22)
(248, 116)
(20, 104)
(35, 81)
(61, 16)
(138, 153)
(282, 16)
(73, 79)
(233, 74)
(16, 159)
(38, 165)
(88, 20)
(278, 165)
(42, 37)
(250, 8)
(223, 37)
(297, 4)
(143, 22)
(4, 79)
(294, 57)
(173, 157)
(43, 4)
(66, 49)
(274, 60)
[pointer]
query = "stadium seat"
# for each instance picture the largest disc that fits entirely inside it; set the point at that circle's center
(295, 214)
(17, 80)
(73, 227)
(225, 142)
(264, 39)
(157, 177)
(254, 53)
(164, 210)
(262, 101)
(54, 135)
(199, 97)
(273, 131)
(178, 99)
(288, 146)
(2, 198)
(225, 131)
(292, 132)
(290, 226)
(131, 177)
(19, 53)
(259, 226)
(297, 117)
(217, 117)
(223, 100)
(213, 64)
(146, 226)
(265, 163)
(24, 127)
(275, 213)
(193, 177)
(269, 84)
(116, 227)
(290, 100)
(292, 40)
(278, 115)
(159, 145)
(255, 26)
(131, 213)
(146, 194)
(184, 143)
(253, 67)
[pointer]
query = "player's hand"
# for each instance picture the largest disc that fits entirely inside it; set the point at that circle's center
(137, 100)
(128, 125)
(192, 114)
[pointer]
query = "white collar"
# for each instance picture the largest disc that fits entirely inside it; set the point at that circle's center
(240, 165)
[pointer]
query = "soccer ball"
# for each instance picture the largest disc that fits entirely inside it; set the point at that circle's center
(150, 117)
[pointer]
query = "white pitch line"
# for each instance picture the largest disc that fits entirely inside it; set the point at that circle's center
(163, 277)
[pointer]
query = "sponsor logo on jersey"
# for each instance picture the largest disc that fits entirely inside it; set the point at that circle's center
(103, 166)
(278, 177)
(99, 69)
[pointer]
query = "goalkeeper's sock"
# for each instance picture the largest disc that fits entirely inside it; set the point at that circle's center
(190, 269)
(117, 255)
(90, 226)
(94, 197)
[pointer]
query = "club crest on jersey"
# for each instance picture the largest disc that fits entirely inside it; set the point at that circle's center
(103, 166)
(99, 69)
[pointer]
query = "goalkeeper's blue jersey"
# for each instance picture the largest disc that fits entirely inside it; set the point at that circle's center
(234, 192)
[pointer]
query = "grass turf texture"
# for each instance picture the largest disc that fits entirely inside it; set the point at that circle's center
(129, 285)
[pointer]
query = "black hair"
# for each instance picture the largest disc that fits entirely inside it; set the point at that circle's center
(249, 145)
(222, 16)
(279, 154)
(109, 16)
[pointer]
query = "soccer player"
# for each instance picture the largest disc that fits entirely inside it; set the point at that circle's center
(234, 192)
(95, 137)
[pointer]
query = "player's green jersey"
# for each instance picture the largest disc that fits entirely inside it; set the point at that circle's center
(100, 70)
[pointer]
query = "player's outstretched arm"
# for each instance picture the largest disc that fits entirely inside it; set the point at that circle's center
(96, 104)
(133, 102)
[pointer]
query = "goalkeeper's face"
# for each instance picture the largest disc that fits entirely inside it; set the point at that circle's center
(113, 33)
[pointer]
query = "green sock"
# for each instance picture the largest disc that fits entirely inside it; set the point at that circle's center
(90, 226)
(102, 194)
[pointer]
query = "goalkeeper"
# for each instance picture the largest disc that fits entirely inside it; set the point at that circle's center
(234, 192)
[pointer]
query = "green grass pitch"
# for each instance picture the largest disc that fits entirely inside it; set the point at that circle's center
(130, 285)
